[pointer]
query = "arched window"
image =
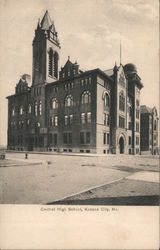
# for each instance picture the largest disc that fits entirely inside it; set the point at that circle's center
(86, 97)
(50, 63)
(68, 101)
(21, 110)
(29, 109)
(53, 63)
(40, 108)
(122, 101)
(35, 109)
(106, 100)
(54, 103)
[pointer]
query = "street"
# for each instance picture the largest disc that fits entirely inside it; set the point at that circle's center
(50, 179)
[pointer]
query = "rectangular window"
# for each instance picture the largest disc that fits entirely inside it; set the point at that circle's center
(137, 113)
(137, 140)
(129, 140)
(65, 138)
(130, 126)
(66, 120)
(121, 122)
(88, 138)
(89, 117)
(137, 127)
(70, 119)
(104, 138)
(51, 121)
(70, 138)
(108, 138)
(137, 103)
(56, 121)
(50, 138)
(55, 138)
(83, 118)
(155, 125)
(108, 120)
(105, 119)
(82, 137)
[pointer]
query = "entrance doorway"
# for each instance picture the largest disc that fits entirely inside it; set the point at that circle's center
(121, 145)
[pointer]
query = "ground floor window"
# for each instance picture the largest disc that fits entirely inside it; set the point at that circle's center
(137, 150)
(67, 138)
(85, 137)
(88, 137)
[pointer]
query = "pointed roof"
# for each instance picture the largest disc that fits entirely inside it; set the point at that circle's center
(68, 64)
(46, 22)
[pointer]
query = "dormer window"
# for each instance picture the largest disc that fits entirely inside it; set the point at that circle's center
(68, 73)
(74, 71)
(63, 75)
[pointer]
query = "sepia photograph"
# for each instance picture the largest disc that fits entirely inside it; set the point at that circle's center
(79, 107)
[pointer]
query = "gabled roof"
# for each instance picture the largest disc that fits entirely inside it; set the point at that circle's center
(46, 22)
(68, 64)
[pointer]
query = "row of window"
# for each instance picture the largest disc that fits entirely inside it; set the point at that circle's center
(86, 81)
(85, 138)
(68, 86)
(85, 99)
(68, 119)
(37, 109)
(68, 73)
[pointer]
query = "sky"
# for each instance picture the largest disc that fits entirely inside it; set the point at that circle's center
(89, 32)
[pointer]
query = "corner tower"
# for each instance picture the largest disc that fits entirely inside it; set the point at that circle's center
(46, 48)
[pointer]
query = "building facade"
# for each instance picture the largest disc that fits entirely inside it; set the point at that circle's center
(70, 110)
(149, 130)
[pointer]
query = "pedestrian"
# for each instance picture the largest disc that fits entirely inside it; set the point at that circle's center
(26, 156)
